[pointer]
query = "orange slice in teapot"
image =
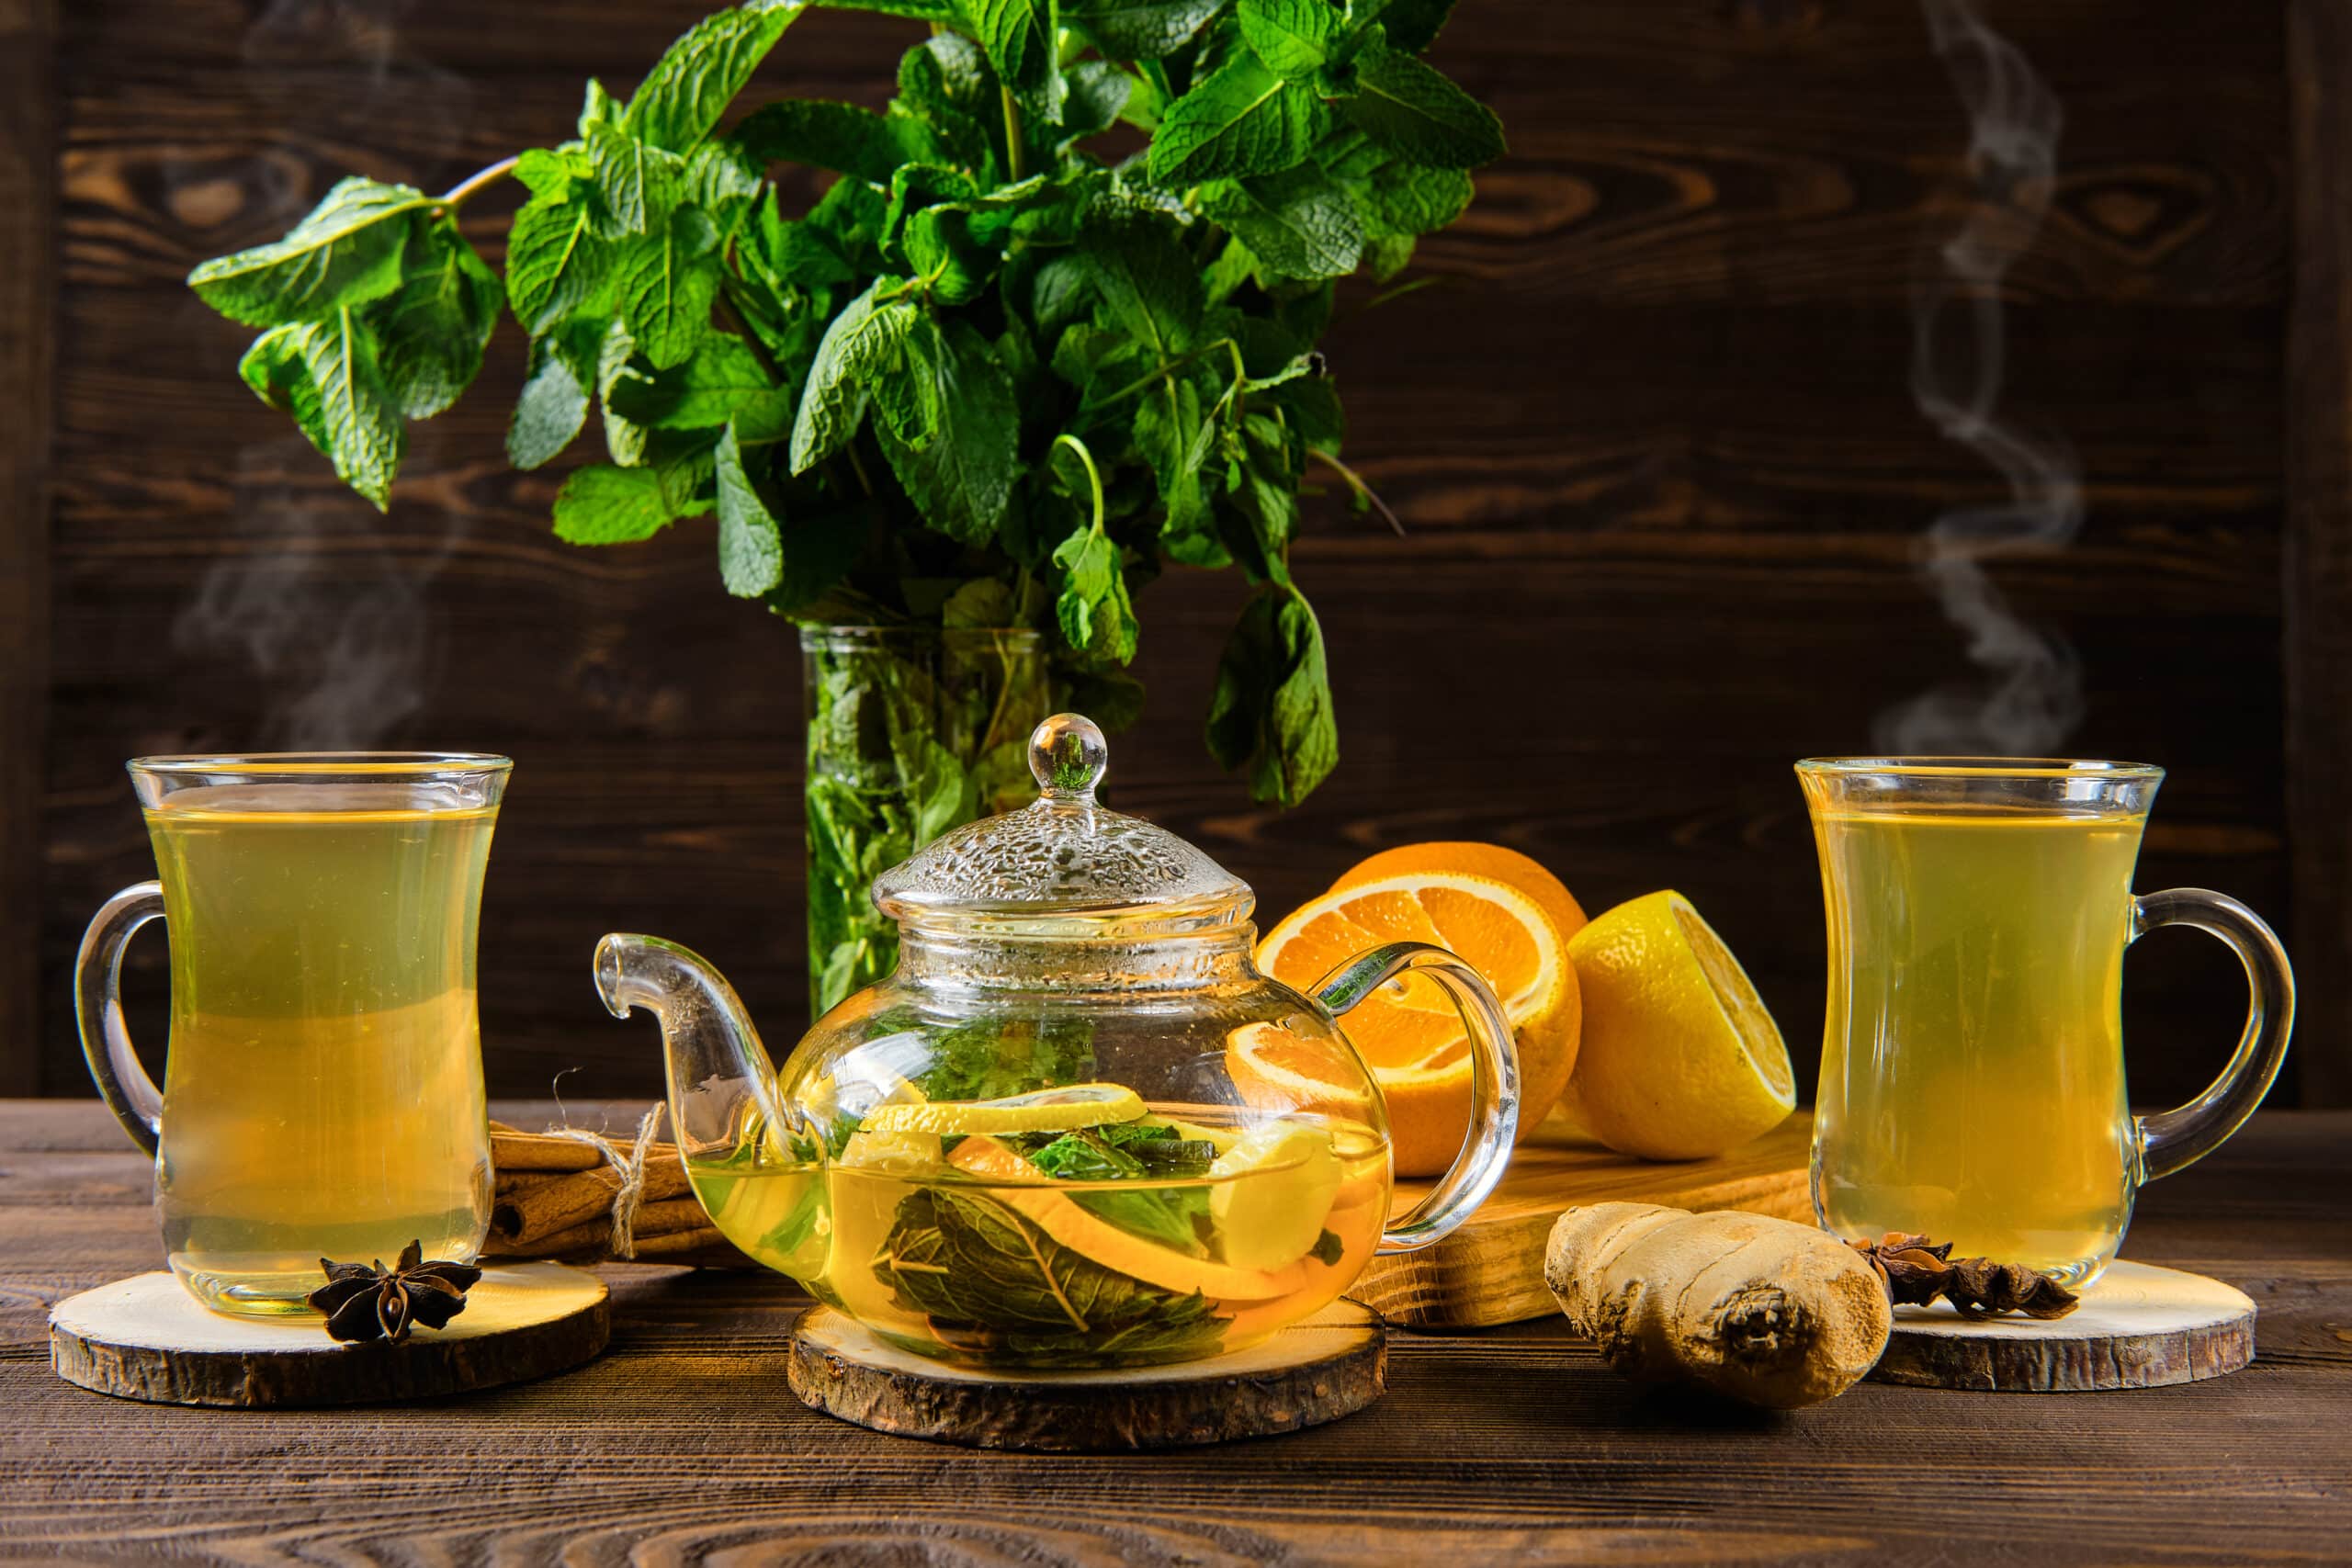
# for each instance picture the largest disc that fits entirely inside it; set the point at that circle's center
(1022, 1187)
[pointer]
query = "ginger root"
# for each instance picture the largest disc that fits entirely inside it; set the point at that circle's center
(1758, 1309)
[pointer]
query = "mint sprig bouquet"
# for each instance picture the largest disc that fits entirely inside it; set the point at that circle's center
(1051, 328)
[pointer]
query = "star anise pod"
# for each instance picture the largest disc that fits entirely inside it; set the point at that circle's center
(1916, 1272)
(365, 1302)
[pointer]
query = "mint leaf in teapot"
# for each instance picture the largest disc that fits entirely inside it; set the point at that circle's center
(1172, 1217)
(988, 1279)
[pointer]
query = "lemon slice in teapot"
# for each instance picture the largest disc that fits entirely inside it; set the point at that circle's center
(1275, 1187)
(1063, 1110)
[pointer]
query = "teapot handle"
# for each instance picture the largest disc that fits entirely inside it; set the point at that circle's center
(1494, 1081)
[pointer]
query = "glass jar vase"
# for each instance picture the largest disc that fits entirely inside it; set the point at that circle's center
(912, 731)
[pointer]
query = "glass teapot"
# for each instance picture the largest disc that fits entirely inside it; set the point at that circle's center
(1076, 1127)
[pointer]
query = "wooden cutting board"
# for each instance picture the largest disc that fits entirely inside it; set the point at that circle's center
(1491, 1270)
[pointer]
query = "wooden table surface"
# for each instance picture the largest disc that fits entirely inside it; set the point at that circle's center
(1514, 1444)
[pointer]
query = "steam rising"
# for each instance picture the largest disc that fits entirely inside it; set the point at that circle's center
(319, 595)
(2033, 698)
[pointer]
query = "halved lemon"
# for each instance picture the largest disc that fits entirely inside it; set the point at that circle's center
(1411, 1033)
(1679, 1060)
(1062, 1109)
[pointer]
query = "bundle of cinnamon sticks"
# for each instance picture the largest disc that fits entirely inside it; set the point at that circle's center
(553, 1198)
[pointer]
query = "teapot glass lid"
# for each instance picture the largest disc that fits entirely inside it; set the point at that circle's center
(1063, 856)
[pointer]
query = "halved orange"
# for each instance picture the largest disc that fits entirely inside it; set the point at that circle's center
(1523, 872)
(1409, 1033)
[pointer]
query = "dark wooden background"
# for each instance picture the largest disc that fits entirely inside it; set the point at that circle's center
(1650, 431)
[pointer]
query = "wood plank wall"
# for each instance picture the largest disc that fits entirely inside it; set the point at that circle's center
(2318, 536)
(1651, 432)
(28, 337)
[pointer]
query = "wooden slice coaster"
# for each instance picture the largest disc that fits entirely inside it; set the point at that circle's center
(147, 1338)
(1331, 1365)
(2140, 1327)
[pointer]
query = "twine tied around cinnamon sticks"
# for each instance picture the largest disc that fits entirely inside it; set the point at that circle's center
(574, 1193)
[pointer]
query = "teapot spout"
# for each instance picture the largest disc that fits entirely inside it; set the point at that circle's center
(722, 1083)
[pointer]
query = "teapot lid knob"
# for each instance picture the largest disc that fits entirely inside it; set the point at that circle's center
(1068, 755)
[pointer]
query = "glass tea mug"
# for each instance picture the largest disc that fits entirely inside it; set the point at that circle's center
(323, 1091)
(1971, 1060)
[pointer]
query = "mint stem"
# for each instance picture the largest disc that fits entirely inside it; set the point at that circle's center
(1355, 482)
(473, 183)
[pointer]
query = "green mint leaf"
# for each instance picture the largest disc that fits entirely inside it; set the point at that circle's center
(790, 257)
(942, 11)
(365, 434)
(1395, 196)
(1292, 37)
(953, 434)
(554, 260)
(433, 329)
(272, 368)
(637, 183)
(551, 410)
(691, 85)
(1018, 35)
(1419, 114)
(722, 178)
(1148, 286)
(1327, 1249)
(1313, 408)
(721, 378)
(602, 504)
(1385, 256)
(1046, 211)
(1413, 200)
(1097, 617)
(1098, 96)
(940, 248)
(1300, 223)
(554, 173)
(948, 71)
(1173, 1216)
(1271, 710)
(1262, 476)
(914, 187)
(863, 342)
(751, 546)
(987, 1277)
(1140, 30)
(667, 282)
(1243, 119)
(616, 368)
(597, 107)
(982, 603)
(947, 82)
(1174, 434)
(841, 137)
(346, 252)
(324, 373)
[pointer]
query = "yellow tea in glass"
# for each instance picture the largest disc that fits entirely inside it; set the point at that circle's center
(1971, 1061)
(323, 1091)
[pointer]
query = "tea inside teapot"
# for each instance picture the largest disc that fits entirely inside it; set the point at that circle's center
(1066, 1228)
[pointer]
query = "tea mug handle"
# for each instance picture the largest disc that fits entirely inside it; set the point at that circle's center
(2172, 1140)
(129, 1093)
(1494, 1081)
